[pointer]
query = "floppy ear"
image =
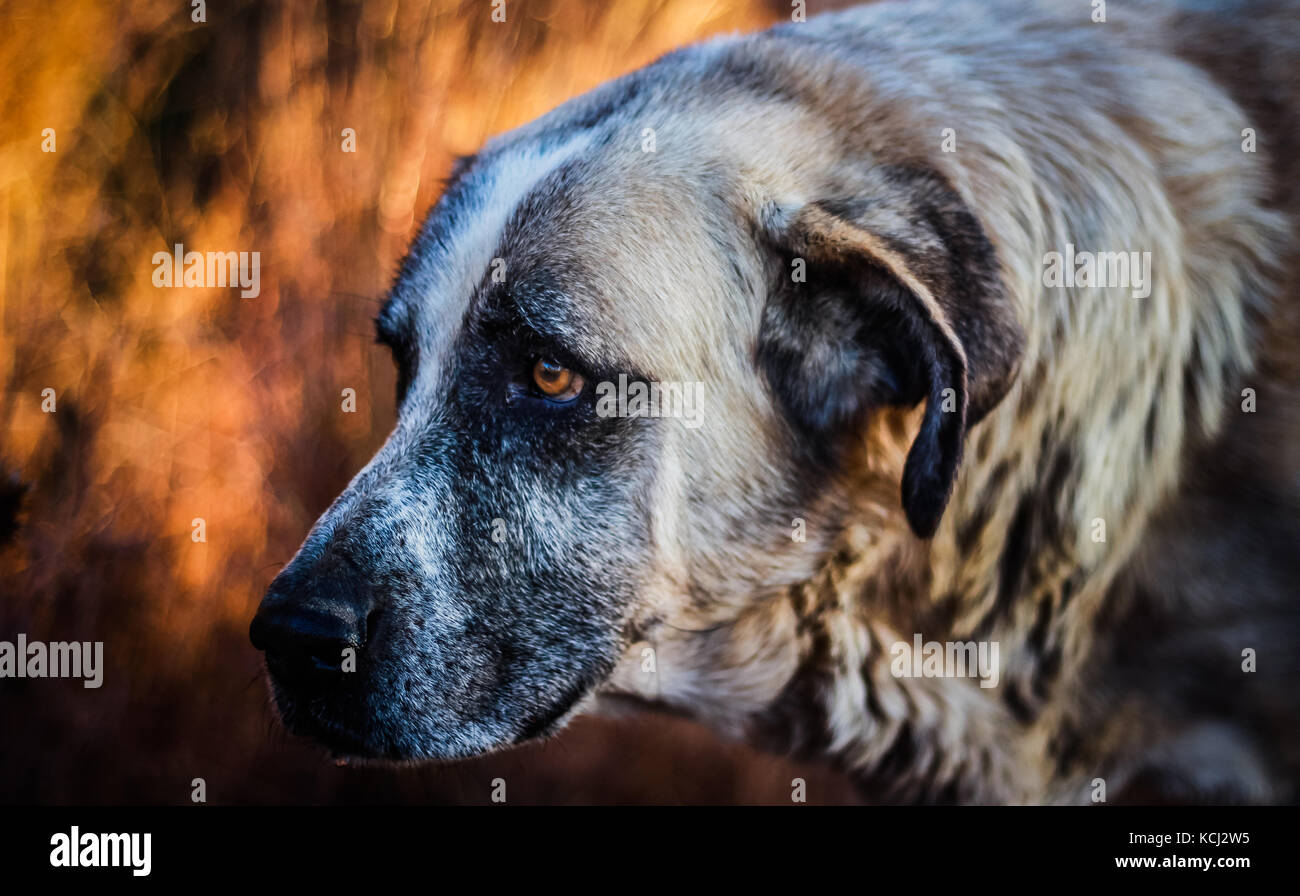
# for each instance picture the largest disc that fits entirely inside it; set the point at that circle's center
(899, 301)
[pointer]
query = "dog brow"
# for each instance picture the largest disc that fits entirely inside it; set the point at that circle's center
(539, 307)
(461, 165)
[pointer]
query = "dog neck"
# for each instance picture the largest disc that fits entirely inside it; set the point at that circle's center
(874, 696)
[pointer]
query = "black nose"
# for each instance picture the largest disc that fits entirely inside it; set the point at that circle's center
(308, 621)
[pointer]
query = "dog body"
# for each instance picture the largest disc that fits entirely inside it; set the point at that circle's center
(844, 229)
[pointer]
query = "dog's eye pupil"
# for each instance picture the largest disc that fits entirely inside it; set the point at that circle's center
(554, 380)
(551, 376)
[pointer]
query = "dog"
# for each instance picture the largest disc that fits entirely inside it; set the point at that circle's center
(992, 310)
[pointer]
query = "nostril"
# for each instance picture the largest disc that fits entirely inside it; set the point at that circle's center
(303, 638)
(325, 654)
(317, 608)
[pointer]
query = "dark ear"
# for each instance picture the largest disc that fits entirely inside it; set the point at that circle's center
(889, 301)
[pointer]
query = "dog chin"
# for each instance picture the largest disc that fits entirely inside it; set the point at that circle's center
(554, 720)
(352, 742)
(341, 742)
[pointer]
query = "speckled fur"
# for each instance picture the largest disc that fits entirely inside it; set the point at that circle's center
(1121, 659)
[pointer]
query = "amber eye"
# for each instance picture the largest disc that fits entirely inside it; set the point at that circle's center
(554, 380)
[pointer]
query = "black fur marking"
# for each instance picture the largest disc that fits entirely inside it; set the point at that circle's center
(852, 338)
(1015, 554)
(968, 534)
(1048, 671)
(1067, 747)
(796, 722)
(1037, 639)
(1021, 709)
(1149, 430)
(1036, 526)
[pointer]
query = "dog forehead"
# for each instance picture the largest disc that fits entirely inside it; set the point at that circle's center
(618, 222)
(621, 259)
(618, 252)
(463, 240)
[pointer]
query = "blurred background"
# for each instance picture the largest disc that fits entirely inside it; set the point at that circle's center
(180, 404)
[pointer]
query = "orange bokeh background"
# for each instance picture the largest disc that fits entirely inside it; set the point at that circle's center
(180, 404)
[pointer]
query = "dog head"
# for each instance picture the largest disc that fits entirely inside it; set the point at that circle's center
(783, 280)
